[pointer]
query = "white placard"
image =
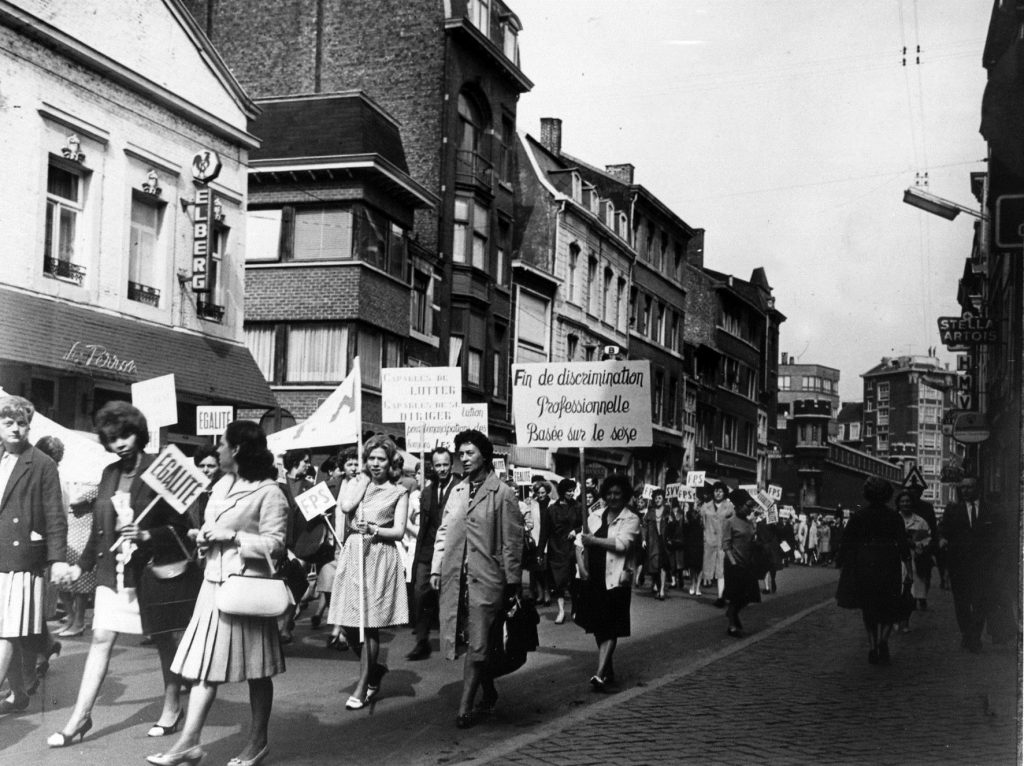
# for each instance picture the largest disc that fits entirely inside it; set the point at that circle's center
(157, 399)
(687, 494)
(582, 404)
(775, 492)
(784, 546)
(211, 421)
(750, 489)
(500, 467)
(315, 501)
(695, 479)
(175, 478)
(672, 490)
(523, 476)
(648, 492)
(441, 430)
(419, 394)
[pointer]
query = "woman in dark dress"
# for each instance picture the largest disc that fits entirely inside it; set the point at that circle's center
(657, 561)
(675, 542)
(872, 558)
(541, 526)
(602, 555)
(130, 597)
(741, 586)
(564, 522)
(693, 546)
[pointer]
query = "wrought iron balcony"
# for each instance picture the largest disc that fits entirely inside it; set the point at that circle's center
(143, 293)
(472, 168)
(64, 269)
(210, 311)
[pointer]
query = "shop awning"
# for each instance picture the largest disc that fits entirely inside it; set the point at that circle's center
(61, 336)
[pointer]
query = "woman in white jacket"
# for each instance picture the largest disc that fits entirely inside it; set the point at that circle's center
(602, 555)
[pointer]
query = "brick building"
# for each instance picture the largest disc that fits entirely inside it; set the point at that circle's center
(449, 74)
(905, 399)
(110, 148)
(331, 205)
(571, 277)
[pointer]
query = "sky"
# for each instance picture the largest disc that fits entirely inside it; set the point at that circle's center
(788, 130)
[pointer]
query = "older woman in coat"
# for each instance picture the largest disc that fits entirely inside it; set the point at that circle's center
(483, 529)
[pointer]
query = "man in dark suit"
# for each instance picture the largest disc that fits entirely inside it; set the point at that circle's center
(967, 536)
(33, 535)
(432, 502)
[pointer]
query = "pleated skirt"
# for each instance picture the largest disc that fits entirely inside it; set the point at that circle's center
(21, 604)
(227, 648)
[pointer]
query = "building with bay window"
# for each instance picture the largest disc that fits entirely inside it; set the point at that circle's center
(331, 269)
(449, 74)
(123, 211)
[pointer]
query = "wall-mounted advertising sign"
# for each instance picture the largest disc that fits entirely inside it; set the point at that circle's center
(968, 330)
(202, 240)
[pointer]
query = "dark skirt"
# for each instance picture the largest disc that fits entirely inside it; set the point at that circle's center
(741, 586)
(561, 563)
(871, 580)
(167, 605)
(605, 613)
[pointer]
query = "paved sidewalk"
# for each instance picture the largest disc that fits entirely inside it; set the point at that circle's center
(802, 692)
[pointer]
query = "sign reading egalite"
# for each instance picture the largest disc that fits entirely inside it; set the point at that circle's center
(968, 330)
(176, 478)
(582, 404)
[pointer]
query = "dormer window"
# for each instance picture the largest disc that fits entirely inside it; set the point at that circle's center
(592, 201)
(479, 13)
(510, 42)
(608, 213)
(577, 188)
(623, 229)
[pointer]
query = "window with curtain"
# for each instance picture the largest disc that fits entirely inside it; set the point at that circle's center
(63, 206)
(262, 235)
(370, 349)
(372, 237)
(322, 233)
(259, 339)
(317, 353)
(142, 253)
(455, 351)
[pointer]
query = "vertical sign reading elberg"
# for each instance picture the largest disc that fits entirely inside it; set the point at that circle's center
(206, 166)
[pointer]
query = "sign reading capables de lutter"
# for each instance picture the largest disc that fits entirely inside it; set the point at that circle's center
(968, 330)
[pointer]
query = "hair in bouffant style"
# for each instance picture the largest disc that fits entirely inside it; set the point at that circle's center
(52, 447)
(620, 481)
(253, 461)
(395, 460)
(17, 408)
(117, 419)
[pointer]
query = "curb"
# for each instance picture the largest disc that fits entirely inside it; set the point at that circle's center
(569, 719)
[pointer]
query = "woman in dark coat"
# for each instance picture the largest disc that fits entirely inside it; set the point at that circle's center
(130, 598)
(565, 520)
(739, 566)
(769, 535)
(693, 546)
(657, 561)
(676, 543)
(872, 559)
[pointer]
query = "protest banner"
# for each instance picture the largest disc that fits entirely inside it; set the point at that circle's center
(419, 394)
(523, 476)
(772, 515)
(158, 401)
(175, 479)
(695, 479)
(211, 421)
(672, 490)
(750, 489)
(687, 494)
(440, 431)
(582, 404)
(337, 421)
(315, 501)
(775, 491)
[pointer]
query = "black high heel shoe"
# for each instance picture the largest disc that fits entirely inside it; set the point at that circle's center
(60, 739)
(162, 731)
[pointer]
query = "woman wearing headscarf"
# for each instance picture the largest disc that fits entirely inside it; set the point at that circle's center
(741, 586)
(657, 561)
(477, 551)
(604, 552)
(564, 522)
(244, 529)
(130, 597)
(872, 558)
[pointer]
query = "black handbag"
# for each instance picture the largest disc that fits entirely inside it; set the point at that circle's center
(513, 635)
(314, 542)
(172, 570)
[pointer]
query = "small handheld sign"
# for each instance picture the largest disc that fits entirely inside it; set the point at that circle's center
(523, 476)
(695, 478)
(671, 491)
(775, 492)
(687, 495)
(315, 501)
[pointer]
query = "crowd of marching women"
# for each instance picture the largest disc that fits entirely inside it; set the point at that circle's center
(216, 588)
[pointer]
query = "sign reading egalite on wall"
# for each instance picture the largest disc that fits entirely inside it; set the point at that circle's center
(968, 330)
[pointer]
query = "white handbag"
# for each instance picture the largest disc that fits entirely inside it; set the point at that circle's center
(254, 595)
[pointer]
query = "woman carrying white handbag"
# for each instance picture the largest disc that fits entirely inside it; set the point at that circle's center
(225, 642)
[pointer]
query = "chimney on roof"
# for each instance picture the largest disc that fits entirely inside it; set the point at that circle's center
(551, 134)
(623, 172)
(785, 358)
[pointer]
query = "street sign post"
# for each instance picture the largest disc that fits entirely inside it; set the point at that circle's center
(915, 478)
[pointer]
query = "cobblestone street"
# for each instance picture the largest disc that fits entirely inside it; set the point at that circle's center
(804, 693)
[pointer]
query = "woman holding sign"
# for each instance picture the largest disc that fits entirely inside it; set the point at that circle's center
(372, 595)
(130, 598)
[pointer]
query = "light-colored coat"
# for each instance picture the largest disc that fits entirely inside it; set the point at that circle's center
(258, 512)
(487, 531)
(624, 530)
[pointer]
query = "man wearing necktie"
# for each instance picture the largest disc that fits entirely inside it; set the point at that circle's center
(966, 536)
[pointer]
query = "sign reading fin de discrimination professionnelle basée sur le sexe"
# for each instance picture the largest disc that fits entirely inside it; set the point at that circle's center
(582, 404)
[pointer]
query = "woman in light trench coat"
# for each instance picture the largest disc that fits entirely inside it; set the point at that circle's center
(482, 527)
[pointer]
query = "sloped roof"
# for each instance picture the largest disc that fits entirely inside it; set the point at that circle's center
(851, 412)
